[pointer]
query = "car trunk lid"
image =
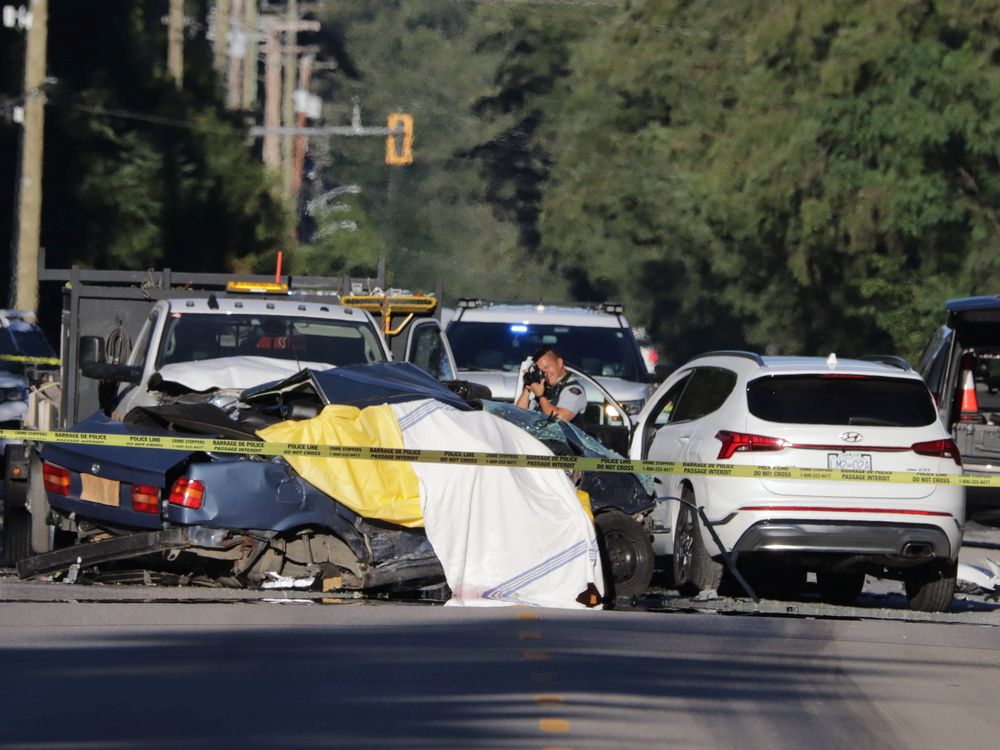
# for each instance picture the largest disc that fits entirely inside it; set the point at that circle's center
(850, 422)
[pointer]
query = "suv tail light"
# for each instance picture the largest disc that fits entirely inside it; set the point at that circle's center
(187, 493)
(940, 448)
(56, 479)
(145, 498)
(742, 442)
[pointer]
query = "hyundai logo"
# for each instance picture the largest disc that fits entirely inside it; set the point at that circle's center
(95, 468)
(851, 437)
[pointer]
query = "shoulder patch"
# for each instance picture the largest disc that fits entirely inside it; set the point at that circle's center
(575, 390)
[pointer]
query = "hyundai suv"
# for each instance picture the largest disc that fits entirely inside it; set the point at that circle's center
(742, 409)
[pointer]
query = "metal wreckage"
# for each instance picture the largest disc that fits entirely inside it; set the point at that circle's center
(244, 520)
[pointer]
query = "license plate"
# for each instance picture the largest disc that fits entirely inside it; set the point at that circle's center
(849, 461)
(99, 490)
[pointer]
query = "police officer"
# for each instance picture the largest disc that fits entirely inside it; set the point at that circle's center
(560, 395)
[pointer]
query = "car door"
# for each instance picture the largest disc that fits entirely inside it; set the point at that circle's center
(663, 436)
(678, 430)
(427, 347)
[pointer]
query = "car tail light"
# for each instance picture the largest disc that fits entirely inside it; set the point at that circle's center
(742, 442)
(187, 493)
(56, 479)
(940, 448)
(145, 498)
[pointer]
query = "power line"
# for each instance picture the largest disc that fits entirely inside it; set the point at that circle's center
(154, 119)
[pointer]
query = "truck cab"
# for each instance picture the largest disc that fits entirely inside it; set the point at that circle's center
(228, 344)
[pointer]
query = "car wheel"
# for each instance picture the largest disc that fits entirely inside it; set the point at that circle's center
(931, 587)
(626, 554)
(16, 535)
(839, 587)
(694, 568)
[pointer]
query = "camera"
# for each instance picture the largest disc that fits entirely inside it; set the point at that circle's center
(533, 375)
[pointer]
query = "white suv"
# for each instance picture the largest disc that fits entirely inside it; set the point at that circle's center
(806, 412)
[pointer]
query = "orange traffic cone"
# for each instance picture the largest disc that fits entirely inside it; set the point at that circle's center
(970, 404)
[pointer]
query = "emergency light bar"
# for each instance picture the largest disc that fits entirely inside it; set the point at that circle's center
(257, 287)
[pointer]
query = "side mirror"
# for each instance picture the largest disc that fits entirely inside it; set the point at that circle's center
(91, 350)
(112, 373)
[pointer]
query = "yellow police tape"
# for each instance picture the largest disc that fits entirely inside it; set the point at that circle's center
(466, 458)
(23, 359)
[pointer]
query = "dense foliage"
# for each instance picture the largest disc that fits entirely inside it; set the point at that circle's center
(136, 173)
(790, 176)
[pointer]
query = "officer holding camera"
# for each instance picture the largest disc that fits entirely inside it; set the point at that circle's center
(550, 388)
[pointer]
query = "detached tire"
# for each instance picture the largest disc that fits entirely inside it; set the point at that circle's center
(931, 587)
(839, 588)
(626, 554)
(16, 535)
(694, 569)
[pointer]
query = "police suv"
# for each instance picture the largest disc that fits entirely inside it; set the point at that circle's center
(491, 340)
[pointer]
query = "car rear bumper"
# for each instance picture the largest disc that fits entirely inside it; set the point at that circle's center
(913, 541)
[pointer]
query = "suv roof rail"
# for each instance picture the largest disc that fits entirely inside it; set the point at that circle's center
(887, 359)
(734, 353)
(608, 306)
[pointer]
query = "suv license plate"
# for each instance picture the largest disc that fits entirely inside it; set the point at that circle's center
(849, 461)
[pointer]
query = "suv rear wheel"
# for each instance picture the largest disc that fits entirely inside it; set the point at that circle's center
(694, 568)
(931, 587)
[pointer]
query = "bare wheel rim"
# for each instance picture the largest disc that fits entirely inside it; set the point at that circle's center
(684, 545)
(621, 555)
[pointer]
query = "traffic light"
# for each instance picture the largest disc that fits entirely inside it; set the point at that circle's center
(399, 147)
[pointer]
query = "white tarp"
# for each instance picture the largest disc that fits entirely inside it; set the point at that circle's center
(516, 536)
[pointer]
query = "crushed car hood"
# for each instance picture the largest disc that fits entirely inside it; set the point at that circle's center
(235, 373)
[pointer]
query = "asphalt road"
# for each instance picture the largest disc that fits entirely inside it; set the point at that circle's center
(358, 675)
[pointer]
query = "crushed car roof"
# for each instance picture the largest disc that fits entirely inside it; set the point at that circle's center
(360, 386)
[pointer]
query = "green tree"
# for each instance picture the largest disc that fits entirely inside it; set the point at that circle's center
(796, 177)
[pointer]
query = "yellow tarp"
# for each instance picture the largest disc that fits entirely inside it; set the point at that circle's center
(387, 490)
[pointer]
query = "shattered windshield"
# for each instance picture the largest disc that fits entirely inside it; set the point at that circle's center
(543, 428)
(194, 337)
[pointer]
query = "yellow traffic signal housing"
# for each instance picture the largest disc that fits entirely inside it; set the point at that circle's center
(399, 146)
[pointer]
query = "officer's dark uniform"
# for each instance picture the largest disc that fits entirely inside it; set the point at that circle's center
(567, 394)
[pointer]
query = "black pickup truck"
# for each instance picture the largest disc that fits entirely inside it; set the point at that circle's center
(961, 365)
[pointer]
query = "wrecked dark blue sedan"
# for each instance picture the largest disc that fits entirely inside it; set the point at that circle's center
(243, 520)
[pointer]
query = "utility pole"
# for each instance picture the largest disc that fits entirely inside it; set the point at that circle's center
(272, 100)
(29, 217)
(305, 74)
(288, 99)
(175, 42)
(237, 51)
(221, 36)
(249, 96)
(273, 27)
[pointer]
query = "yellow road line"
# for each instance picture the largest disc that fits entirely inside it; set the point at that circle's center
(553, 725)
